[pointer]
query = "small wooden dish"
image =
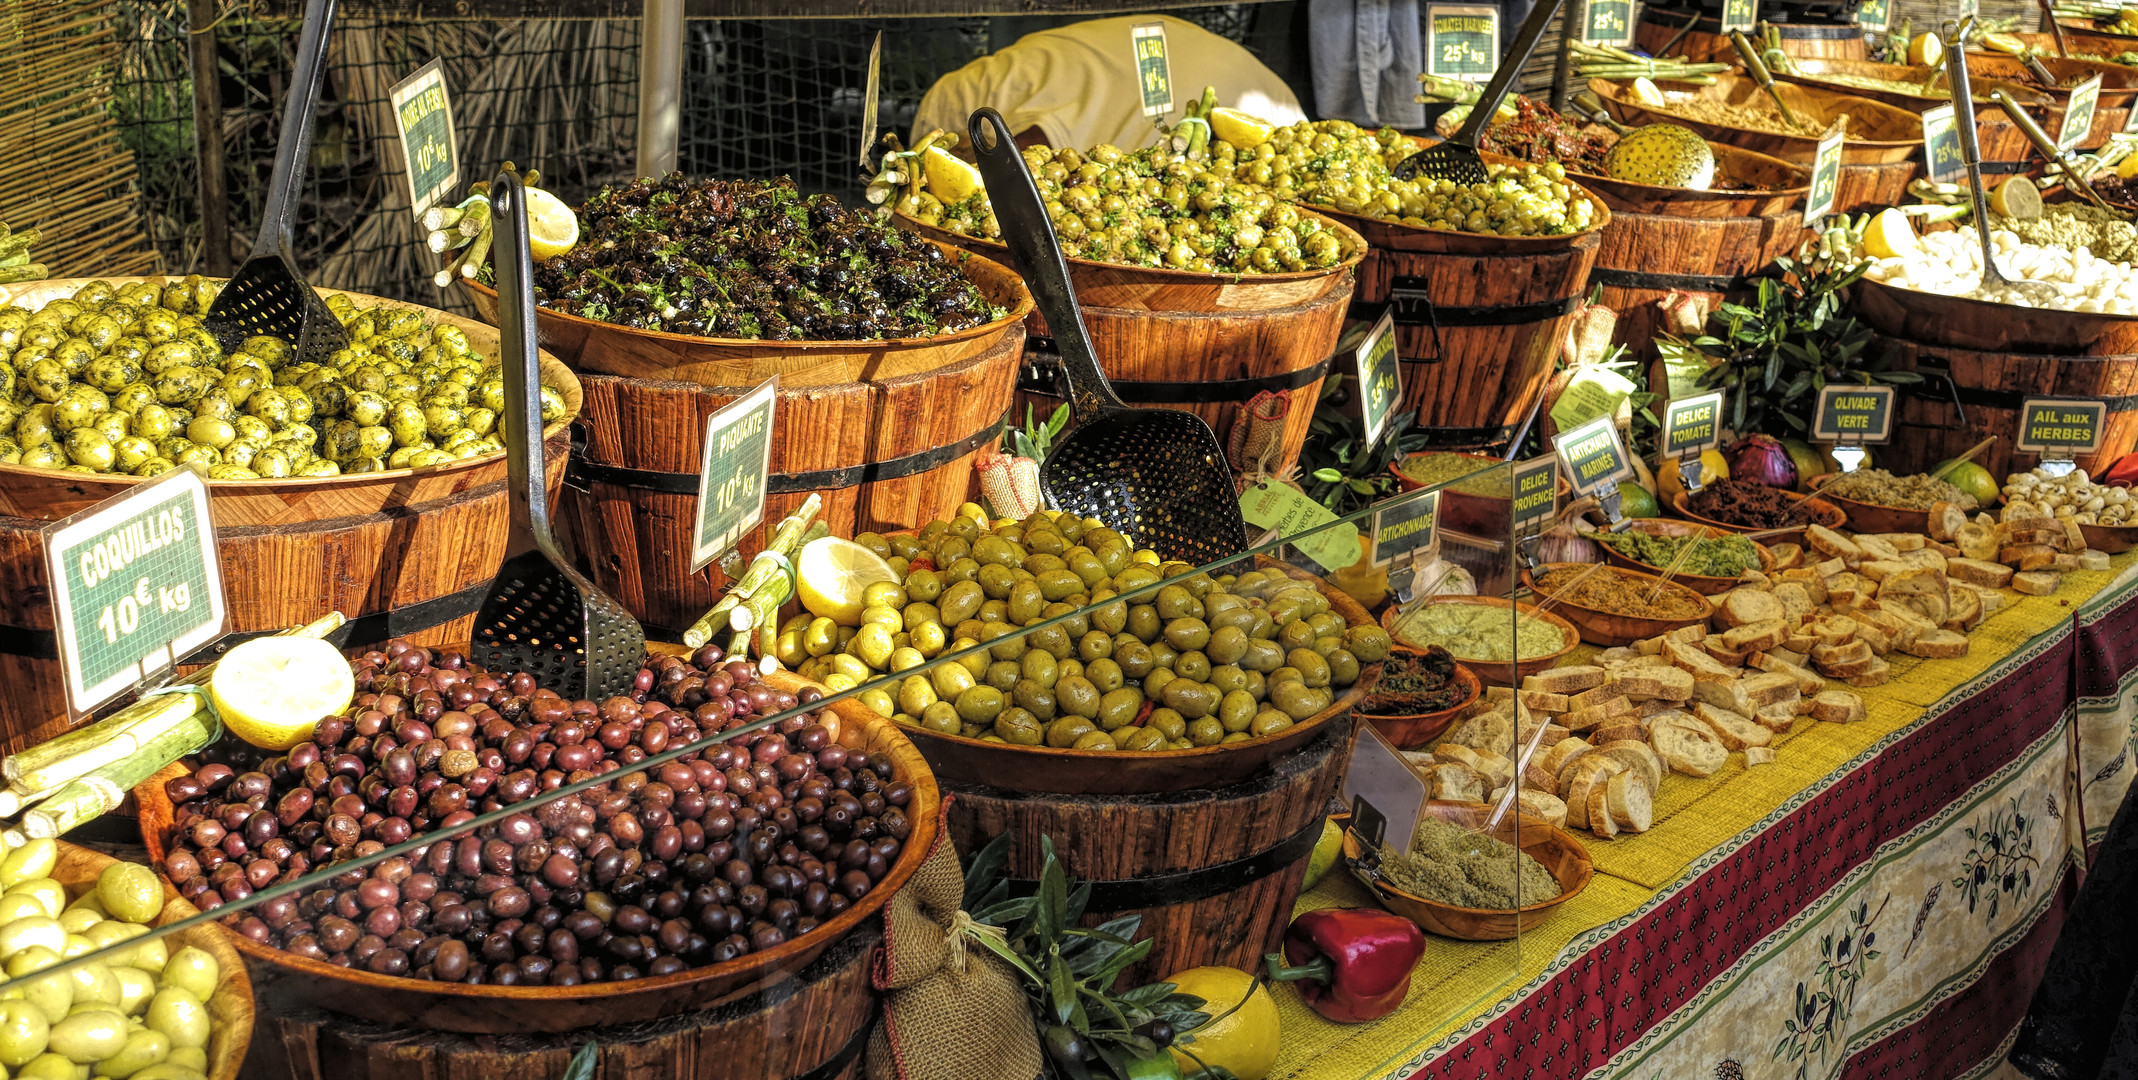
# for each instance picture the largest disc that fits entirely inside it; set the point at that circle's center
(1708, 586)
(230, 1005)
(2113, 539)
(1495, 672)
(1553, 847)
(1826, 513)
(1867, 517)
(1879, 134)
(1410, 731)
(1610, 628)
(1772, 187)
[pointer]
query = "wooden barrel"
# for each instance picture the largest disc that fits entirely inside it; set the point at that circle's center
(1705, 41)
(1969, 395)
(1213, 871)
(418, 571)
(885, 453)
(812, 1026)
(1869, 188)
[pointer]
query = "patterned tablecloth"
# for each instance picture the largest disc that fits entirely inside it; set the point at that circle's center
(1878, 902)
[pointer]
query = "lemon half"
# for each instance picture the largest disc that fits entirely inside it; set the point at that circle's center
(1646, 93)
(2017, 198)
(552, 228)
(1890, 235)
(1243, 131)
(1925, 49)
(830, 574)
(949, 179)
(272, 691)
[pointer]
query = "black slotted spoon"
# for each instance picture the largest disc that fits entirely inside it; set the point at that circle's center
(1158, 475)
(268, 295)
(541, 616)
(1456, 158)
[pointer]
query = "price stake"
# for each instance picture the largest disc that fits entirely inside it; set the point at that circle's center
(1691, 425)
(1462, 41)
(1825, 177)
(1739, 15)
(1390, 792)
(1941, 145)
(1536, 493)
(423, 113)
(1593, 455)
(2061, 428)
(2078, 115)
(1854, 414)
(1283, 509)
(731, 475)
(1380, 377)
(136, 585)
(871, 100)
(1405, 525)
(1154, 73)
(1607, 22)
(1874, 14)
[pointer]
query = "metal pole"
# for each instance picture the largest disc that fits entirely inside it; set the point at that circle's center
(1570, 25)
(208, 137)
(660, 86)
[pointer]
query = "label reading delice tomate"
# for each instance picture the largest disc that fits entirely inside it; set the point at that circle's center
(1692, 425)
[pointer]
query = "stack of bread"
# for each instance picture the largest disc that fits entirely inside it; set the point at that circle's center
(2027, 546)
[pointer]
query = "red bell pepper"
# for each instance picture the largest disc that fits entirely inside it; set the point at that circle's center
(1351, 965)
(2124, 471)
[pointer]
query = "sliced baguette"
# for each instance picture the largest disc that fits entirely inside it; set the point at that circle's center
(2037, 582)
(1555, 759)
(1742, 606)
(1638, 757)
(1877, 674)
(1455, 782)
(1542, 804)
(1599, 811)
(1831, 544)
(1938, 645)
(1734, 730)
(1664, 683)
(1694, 752)
(1945, 520)
(1566, 680)
(1989, 575)
(1629, 802)
(1759, 755)
(1588, 774)
(1838, 707)
(1695, 661)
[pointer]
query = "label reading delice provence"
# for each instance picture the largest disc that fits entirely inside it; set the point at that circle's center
(1154, 72)
(1462, 41)
(1607, 22)
(1739, 15)
(135, 586)
(1941, 145)
(731, 475)
(1593, 455)
(1284, 509)
(1692, 425)
(1874, 14)
(1380, 377)
(424, 115)
(2067, 425)
(1536, 492)
(1854, 414)
(2078, 116)
(1406, 525)
(1825, 177)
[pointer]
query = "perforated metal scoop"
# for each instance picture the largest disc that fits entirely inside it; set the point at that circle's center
(268, 295)
(2038, 293)
(1456, 159)
(541, 616)
(1158, 475)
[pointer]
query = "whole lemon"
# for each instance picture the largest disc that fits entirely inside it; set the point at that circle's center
(1245, 1042)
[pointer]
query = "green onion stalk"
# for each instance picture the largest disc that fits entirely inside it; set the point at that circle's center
(771, 563)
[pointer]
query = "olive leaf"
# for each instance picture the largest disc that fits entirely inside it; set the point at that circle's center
(583, 1063)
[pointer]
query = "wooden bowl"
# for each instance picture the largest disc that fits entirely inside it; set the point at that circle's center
(46, 495)
(1396, 236)
(1553, 847)
(656, 354)
(1960, 322)
(1139, 772)
(1708, 586)
(1866, 517)
(1466, 512)
(1769, 187)
(1820, 73)
(1412, 730)
(2113, 539)
(1496, 672)
(230, 1005)
(1824, 513)
(497, 1010)
(1609, 628)
(1879, 134)
(2119, 83)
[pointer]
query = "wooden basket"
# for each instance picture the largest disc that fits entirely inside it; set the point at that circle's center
(1551, 846)
(1769, 186)
(1697, 36)
(1709, 586)
(46, 495)
(491, 1009)
(1825, 513)
(1819, 74)
(1960, 322)
(1611, 628)
(1496, 672)
(1879, 133)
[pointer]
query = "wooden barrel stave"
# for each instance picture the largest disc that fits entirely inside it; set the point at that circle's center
(1149, 847)
(1705, 43)
(1646, 257)
(1869, 188)
(1990, 386)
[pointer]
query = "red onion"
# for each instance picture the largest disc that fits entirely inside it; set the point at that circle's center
(1761, 459)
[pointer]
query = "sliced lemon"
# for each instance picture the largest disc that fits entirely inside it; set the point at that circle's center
(1243, 131)
(272, 691)
(1646, 93)
(552, 228)
(2004, 43)
(1925, 49)
(831, 574)
(949, 179)
(1890, 235)
(2017, 198)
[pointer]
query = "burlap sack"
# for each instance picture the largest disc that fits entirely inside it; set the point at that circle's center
(1257, 434)
(952, 1009)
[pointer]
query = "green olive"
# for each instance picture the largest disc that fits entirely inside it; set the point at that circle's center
(24, 1032)
(1226, 645)
(131, 891)
(1343, 667)
(1076, 695)
(49, 1066)
(136, 988)
(941, 717)
(1187, 633)
(1065, 732)
(177, 1013)
(1189, 698)
(78, 920)
(142, 1049)
(1034, 698)
(1369, 643)
(915, 694)
(1192, 665)
(1094, 740)
(1206, 731)
(979, 704)
(1313, 670)
(86, 1038)
(1119, 707)
(33, 860)
(872, 643)
(1019, 727)
(193, 970)
(49, 894)
(1141, 739)
(951, 680)
(21, 906)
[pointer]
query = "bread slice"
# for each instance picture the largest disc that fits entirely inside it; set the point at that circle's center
(2027, 556)
(1496, 769)
(2093, 560)
(1754, 637)
(1720, 651)
(1813, 582)
(1583, 719)
(1877, 674)
(1989, 575)
(1630, 802)
(1808, 682)
(1921, 589)
(1588, 774)
(1618, 731)
(1785, 556)
(1694, 752)
(1652, 683)
(1741, 606)
(1976, 542)
(1831, 544)
(2037, 582)
(1880, 569)
(1879, 638)
(1992, 600)
(1541, 701)
(1838, 707)
(1638, 757)
(1796, 603)
(1944, 549)
(1967, 608)
(1595, 696)
(1599, 811)
(1566, 680)
(1901, 542)
(1536, 778)
(1834, 630)
(1759, 755)
(1455, 782)
(1541, 804)
(1799, 641)
(1846, 591)
(1781, 716)
(1492, 731)
(1945, 520)
(1843, 661)
(1938, 645)
(1698, 663)
(1735, 730)
(1555, 759)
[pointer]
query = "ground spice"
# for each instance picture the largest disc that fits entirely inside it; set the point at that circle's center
(1750, 116)
(1617, 592)
(1452, 865)
(1747, 505)
(1415, 682)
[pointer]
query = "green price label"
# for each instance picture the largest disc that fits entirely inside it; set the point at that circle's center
(1286, 510)
(1462, 41)
(1405, 525)
(1825, 178)
(1593, 455)
(2067, 426)
(135, 586)
(424, 114)
(731, 475)
(1941, 145)
(1854, 414)
(1608, 22)
(1154, 73)
(2078, 115)
(1692, 425)
(1536, 493)
(1874, 14)
(1380, 377)
(1739, 15)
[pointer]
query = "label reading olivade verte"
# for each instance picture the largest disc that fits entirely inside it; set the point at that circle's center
(1405, 526)
(135, 586)
(423, 113)
(1594, 458)
(2060, 427)
(731, 477)
(1854, 414)
(1462, 41)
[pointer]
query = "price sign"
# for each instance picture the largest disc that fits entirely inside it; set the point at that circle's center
(1384, 793)
(1593, 455)
(2078, 116)
(1462, 41)
(1380, 377)
(1825, 177)
(1154, 73)
(1607, 22)
(731, 475)
(2067, 426)
(1692, 425)
(1941, 145)
(424, 116)
(1874, 14)
(135, 586)
(1854, 414)
(1405, 525)
(1739, 15)
(1284, 509)
(1536, 493)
